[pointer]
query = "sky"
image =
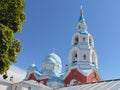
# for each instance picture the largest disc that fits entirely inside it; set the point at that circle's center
(51, 24)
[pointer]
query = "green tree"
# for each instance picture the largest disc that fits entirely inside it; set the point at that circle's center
(11, 18)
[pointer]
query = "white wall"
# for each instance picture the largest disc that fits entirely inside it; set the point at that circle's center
(5, 85)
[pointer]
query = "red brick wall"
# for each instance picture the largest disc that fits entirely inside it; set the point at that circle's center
(75, 74)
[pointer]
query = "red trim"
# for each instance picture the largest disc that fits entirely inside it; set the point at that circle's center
(32, 77)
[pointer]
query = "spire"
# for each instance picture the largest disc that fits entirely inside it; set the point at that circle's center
(81, 14)
(81, 25)
(81, 10)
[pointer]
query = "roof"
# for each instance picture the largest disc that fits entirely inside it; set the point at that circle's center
(101, 85)
(35, 84)
(5, 81)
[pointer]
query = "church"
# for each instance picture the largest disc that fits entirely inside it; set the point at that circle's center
(81, 72)
(82, 66)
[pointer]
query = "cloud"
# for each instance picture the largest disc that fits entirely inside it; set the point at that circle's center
(17, 73)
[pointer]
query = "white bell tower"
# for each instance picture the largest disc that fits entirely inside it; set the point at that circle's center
(82, 53)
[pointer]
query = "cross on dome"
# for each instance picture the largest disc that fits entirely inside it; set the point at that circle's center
(81, 10)
(53, 50)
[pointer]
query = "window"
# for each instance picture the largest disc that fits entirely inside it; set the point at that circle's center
(83, 39)
(93, 58)
(73, 82)
(29, 88)
(76, 40)
(74, 55)
(79, 27)
(84, 56)
(90, 41)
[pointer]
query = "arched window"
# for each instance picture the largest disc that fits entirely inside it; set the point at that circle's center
(93, 58)
(83, 39)
(79, 27)
(74, 56)
(90, 42)
(76, 40)
(73, 82)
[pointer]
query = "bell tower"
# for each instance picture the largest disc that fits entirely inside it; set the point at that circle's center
(83, 61)
(82, 52)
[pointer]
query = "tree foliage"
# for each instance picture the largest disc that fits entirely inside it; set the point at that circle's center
(11, 18)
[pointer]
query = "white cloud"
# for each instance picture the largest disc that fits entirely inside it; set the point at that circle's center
(18, 73)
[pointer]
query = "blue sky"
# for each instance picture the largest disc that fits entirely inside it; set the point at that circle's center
(51, 24)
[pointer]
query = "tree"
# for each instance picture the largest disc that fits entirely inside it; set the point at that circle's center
(11, 18)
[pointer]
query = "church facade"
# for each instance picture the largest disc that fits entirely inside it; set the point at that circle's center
(82, 65)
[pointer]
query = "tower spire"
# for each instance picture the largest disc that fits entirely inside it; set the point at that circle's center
(81, 10)
(81, 19)
(81, 25)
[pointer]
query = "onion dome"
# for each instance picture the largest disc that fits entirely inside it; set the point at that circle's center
(52, 58)
(32, 67)
(52, 64)
(32, 70)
